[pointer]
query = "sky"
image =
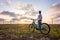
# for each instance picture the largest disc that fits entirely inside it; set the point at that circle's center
(20, 11)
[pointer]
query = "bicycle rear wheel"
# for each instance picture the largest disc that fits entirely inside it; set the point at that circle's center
(46, 29)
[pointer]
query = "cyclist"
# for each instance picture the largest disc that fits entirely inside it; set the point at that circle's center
(39, 19)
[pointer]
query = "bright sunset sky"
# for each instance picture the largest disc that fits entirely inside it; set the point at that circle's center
(16, 11)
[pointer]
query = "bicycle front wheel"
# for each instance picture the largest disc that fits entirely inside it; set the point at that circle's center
(31, 28)
(46, 29)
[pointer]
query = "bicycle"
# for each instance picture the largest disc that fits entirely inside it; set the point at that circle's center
(44, 29)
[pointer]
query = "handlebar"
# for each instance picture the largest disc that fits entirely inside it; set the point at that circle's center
(33, 19)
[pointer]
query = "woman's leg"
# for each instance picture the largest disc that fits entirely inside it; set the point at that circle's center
(39, 24)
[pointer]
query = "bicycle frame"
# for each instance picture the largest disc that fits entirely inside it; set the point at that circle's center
(35, 25)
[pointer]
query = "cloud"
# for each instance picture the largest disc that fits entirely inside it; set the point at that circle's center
(31, 13)
(1, 3)
(57, 15)
(1, 19)
(8, 2)
(30, 10)
(12, 14)
(22, 11)
(54, 11)
(15, 19)
(9, 16)
(55, 7)
(26, 7)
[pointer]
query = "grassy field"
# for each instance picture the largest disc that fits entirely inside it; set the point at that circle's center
(21, 32)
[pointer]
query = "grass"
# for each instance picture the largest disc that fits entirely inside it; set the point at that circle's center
(21, 32)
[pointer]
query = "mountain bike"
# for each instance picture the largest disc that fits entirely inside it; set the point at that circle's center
(44, 29)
